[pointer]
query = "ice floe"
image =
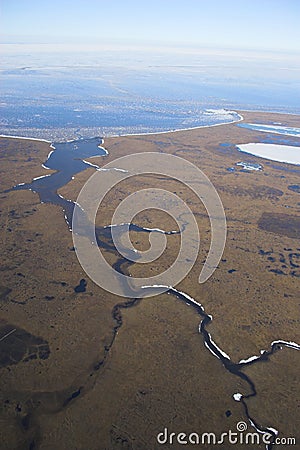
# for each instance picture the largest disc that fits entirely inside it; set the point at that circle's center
(251, 358)
(42, 176)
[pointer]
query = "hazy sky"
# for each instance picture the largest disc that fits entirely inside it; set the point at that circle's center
(264, 24)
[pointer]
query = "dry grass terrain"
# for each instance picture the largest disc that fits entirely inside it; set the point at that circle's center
(76, 375)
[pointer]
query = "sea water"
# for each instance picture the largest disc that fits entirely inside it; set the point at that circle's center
(60, 95)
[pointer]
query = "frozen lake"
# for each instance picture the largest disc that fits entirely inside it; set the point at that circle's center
(281, 153)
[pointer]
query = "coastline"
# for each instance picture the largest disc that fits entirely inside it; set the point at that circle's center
(240, 113)
(181, 129)
(136, 134)
(241, 117)
(24, 138)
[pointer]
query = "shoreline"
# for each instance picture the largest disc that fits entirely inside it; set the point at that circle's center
(151, 133)
(176, 130)
(239, 112)
(25, 138)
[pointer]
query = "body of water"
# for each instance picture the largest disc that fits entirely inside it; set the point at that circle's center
(275, 128)
(275, 152)
(62, 94)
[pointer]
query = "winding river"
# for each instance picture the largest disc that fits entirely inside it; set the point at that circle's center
(68, 159)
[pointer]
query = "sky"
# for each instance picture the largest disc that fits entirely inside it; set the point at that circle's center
(255, 24)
